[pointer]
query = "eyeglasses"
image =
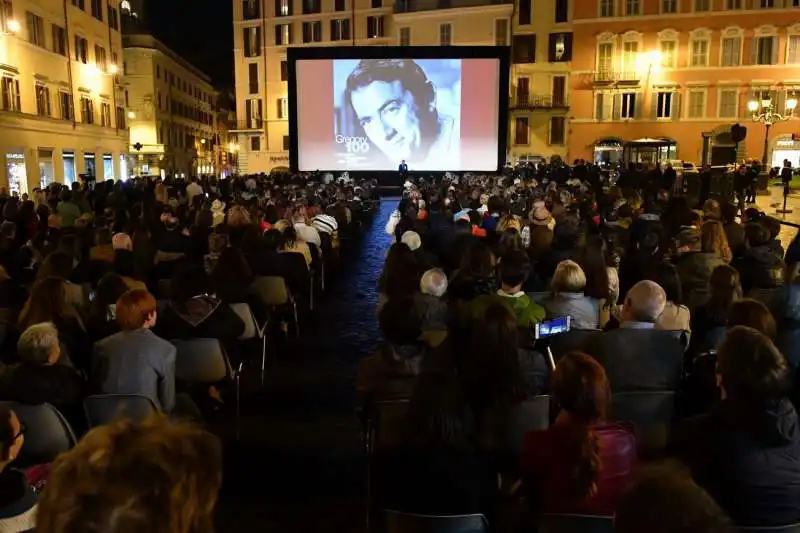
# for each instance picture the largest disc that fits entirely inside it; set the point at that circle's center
(22, 429)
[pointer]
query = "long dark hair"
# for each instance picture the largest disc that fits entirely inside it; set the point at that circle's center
(400, 278)
(580, 387)
(725, 290)
(593, 261)
(489, 366)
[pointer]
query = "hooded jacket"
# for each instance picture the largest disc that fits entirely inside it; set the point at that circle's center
(760, 267)
(748, 459)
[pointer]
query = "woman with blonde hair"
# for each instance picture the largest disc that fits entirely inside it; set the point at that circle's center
(568, 298)
(714, 240)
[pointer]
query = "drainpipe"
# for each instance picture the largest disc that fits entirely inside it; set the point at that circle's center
(263, 53)
(114, 76)
(69, 67)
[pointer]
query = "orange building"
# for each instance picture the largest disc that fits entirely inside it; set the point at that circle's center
(684, 71)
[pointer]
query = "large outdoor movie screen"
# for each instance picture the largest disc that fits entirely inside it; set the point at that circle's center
(373, 114)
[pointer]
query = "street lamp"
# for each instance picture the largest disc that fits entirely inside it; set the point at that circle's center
(764, 112)
(131, 115)
(113, 69)
(13, 26)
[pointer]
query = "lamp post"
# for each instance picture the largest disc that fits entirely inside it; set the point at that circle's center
(764, 112)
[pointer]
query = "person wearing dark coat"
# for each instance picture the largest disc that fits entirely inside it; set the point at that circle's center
(636, 356)
(746, 451)
(39, 377)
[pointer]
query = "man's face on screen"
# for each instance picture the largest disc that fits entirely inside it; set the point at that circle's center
(390, 117)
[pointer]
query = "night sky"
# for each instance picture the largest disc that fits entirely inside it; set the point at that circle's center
(201, 31)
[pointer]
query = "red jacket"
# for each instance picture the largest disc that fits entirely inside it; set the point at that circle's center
(545, 468)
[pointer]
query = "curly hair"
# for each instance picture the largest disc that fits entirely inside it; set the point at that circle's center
(149, 477)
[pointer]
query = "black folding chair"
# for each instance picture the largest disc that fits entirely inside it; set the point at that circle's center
(575, 523)
(399, 522)
(651, 413)
(531, 415)
(102, 409)
(791, 528)
(573, 340)
(203, 361)
(48, 433)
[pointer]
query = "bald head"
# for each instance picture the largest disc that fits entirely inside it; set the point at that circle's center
(644, 302)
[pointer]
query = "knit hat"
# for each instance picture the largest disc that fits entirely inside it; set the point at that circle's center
(122, 241)
(411, 239)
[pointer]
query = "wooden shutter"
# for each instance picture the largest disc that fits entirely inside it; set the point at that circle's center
(676, 105)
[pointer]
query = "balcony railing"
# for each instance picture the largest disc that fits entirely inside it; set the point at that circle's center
(611, 76)
(411, 6)
(247, 124)
(538, 101)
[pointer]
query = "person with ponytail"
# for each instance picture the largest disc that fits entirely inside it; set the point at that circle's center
(582, 463)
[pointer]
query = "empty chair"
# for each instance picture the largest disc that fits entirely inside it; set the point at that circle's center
(575, 523)
(530, 415)
(651, 414)
(252, 330)
(102, 409)
(299, 276)
(47, 433)
(398, 522)
(274, 292)
(203, 361)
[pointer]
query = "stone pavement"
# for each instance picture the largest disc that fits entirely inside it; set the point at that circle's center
(774, 200)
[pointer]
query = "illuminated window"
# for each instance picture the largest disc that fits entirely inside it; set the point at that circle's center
(11, 98)
(445, 34)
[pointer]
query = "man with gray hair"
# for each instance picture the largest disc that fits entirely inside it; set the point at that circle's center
(39, 377)
(428, 303)
(636, 356)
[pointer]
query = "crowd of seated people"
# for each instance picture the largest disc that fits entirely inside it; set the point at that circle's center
(665, 301)
(97, 285)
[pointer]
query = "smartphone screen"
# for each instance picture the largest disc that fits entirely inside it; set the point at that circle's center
(548, 328)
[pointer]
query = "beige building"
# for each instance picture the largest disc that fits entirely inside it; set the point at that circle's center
(541, 52)
(61, 111)
(171, 110)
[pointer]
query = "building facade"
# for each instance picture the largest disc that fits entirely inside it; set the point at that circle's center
(62, 111)
(680, 73)
(264, 28)
(171, 111)
(541, 52)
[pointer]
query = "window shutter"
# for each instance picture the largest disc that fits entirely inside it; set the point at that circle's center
(278, 34)
(775, 51)
(654, 105)
(598, 106)
(638, 105)
(616, 110)
(675, 112)
(16, 86)
(779, 101)
(754, 50)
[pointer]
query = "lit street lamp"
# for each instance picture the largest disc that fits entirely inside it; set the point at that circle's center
(764, 112)
(13, 26)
